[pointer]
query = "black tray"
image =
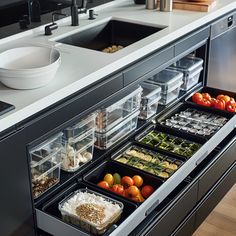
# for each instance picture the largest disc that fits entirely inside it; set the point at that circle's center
(51, 207)
(213, 92)
(109, 166)
(167, 130)
(168, 158)
(182, 107)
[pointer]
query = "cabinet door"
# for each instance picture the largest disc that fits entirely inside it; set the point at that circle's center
(15, 200)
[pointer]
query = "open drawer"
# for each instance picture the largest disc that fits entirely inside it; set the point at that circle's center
(50, 223)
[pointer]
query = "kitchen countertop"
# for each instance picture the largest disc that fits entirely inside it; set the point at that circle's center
(81, 67)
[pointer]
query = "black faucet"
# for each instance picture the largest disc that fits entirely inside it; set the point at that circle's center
(75, 11)
(48, 28)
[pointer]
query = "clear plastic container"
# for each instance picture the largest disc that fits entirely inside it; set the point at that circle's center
(167, 80)
(48, 150)
(104, 141)
(81, 127)
(89, 205)
(110, 116)
(172, 94)
(191, 68)
(77, 151)
(44, 177)
(150, 98)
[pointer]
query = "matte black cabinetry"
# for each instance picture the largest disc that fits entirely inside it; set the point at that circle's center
(16, 212)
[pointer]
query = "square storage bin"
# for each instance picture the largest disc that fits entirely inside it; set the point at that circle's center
(104, 141)
(77, 151)
(167, 80)
(191, 68)
(81, 127)
(90, 210)
(110, 116)
(48, 150)
(150, 98)
(171, 95)
(44, 177)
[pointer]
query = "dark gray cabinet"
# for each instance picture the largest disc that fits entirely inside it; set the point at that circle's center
(16, 212)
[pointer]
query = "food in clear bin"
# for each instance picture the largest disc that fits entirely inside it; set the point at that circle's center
(42, 184)
(112, 49)
(170, 143)
(71, 159)
(221, 102)
(197, 122)
(150, 162)
(90, 211)
(126, 186)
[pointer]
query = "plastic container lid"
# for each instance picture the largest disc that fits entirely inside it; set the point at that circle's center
(166, 79)
(188, 64)
(151, 92)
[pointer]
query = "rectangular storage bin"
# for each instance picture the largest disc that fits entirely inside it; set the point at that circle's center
(88, 211)
(191, 68)
(104, 141)
(167, 80)
(148, 161)
(81, 127)
(48, 150)
(110, 116)
(44, 177)
(171, 95)
(150, 98)
(77, 151)
(97, 174)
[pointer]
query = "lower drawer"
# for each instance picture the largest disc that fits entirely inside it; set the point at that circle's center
(214, 196)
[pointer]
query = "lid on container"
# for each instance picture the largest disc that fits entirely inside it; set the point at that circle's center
(188, 63)
(150, 90)
(166, 79)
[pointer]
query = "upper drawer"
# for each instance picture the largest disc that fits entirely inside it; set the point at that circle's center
(152, 62)
(192, 41)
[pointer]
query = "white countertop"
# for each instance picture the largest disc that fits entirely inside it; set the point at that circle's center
(81, 67)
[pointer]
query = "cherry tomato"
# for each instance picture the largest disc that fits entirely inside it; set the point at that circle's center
(127, 181)
(118, 188)
(213, 101)
(147, 190)
(206, 96)
(231, 106)
(197, 97)
(219, 97)
(226, 98)
(232, 99)
(204, 102)
(220, 104)
(103, 184)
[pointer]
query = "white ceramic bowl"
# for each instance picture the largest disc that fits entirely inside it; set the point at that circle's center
(28, 67)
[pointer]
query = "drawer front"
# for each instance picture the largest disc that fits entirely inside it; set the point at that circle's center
(214, 197)
(176, 214)
(187, 228)
(147, 65)
(216, 171)
(192, 41)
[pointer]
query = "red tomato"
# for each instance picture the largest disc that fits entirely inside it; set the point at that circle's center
(147, 190)
(127, 181)
(226, 98)
(219, 97)
(118, 188)
(197, 97)
(204, 102)
(232, 99)
(213, 101)
(220, 104)
(103, 184)
(231, 106)
(206, 96)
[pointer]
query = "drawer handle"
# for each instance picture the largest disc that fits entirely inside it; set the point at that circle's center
(201, 158)
(149, 210)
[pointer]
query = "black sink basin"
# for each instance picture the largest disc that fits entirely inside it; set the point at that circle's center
(110, 33)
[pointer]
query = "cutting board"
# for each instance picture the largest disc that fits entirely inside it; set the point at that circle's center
(203, 6)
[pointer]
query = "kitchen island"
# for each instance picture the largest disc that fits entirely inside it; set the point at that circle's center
(87, 73)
